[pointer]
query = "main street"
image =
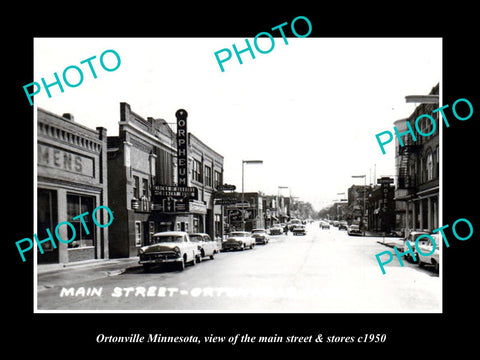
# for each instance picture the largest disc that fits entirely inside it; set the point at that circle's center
(323, 271)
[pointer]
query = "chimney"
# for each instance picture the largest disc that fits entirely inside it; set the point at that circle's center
(68, 116)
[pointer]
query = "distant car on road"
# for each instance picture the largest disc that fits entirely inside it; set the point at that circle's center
(299, 230)
(412, 237)
(206, 246)
(260, 236)
(276, 230)
(292, 223)
(342, 225)
(238, 240)
(169, 247)
(324, 225)
(354, 230)
(429, 255)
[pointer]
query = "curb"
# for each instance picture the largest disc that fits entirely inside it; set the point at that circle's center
(48, 268)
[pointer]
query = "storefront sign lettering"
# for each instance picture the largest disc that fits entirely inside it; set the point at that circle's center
(56, 158)
(182, 147)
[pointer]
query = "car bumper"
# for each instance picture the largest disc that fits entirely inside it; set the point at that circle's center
(159, 258)
(227, 247)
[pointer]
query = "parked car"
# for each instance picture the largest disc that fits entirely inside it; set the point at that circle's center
(412, 237)
(354, 230)
(276, 230)
(299, 230)
(324, 225)
(238, 240)
(342, 225)
(428, 255)
(206, 246)
(260, 236)
(169, 247)
(335, 223)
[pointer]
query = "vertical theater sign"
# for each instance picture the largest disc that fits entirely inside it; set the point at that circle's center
(182, 147)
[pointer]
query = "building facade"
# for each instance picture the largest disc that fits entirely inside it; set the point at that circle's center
(71, 180)
(418, 170)
(153, 187)
(381, 207)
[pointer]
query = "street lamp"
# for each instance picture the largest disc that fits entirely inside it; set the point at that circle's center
(278, 201)
(364, 188)
(243, 191)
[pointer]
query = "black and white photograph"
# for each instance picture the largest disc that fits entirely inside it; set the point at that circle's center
(231, 188)
(215, 181)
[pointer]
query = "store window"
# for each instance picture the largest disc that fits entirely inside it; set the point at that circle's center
(46, 215)
(138, 233)
(77, 205)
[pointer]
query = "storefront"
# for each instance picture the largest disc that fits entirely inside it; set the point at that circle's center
(71, 180)
(159, 180)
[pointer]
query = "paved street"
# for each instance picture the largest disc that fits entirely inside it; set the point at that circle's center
(324, 271)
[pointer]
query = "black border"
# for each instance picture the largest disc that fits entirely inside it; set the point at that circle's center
(455, 25)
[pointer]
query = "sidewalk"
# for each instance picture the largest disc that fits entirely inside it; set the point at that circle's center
(116, 263)
(392, 242)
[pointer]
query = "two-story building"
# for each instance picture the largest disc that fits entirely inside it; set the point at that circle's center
(71, 180)
(154, 185)
(417, 167)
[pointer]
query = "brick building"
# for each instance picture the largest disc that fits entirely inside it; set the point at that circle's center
(144, 190)
(417, 167)
(71, 180)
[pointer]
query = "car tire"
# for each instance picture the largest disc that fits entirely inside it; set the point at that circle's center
(212, 257)
(181, 264)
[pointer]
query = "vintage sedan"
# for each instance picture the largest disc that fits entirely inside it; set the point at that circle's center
(206, 246)
(354, 230)
(299, 230)
(324, 225)
(427, 254)
(412, 237)
(238, 240)
(276, 230)
(169, 247)
(342, 225)
(260, 236)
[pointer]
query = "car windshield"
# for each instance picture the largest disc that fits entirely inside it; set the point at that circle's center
(167, 238)
(239, 234)
(196, 238)
(415, 236)
(258, 232)
(353, 226)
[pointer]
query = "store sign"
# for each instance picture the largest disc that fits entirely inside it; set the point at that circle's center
(56, 158)
(175, 191)
(226, 187)
(182, 147)
(197, 207)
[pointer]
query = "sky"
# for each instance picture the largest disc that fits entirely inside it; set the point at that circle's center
(310, 109)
